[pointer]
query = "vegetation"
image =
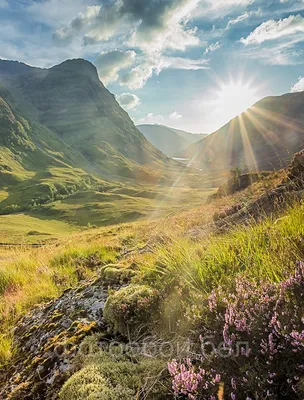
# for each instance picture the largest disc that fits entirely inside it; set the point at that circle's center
(187, 272)
(113, 375)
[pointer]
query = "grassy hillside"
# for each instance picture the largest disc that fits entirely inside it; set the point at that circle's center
(70, 100)
(180, 260)
(263, 138)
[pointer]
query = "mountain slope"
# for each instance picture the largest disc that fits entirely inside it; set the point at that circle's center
(262, 138)
(168, 140)
(70, 100)
(35, 165)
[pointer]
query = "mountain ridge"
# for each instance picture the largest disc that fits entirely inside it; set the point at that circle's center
(262, 138)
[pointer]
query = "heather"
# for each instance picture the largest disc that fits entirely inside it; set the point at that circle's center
(251, 340)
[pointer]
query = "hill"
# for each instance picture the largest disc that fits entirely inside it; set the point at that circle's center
(169, 140)
(263, 138)
(70, 100)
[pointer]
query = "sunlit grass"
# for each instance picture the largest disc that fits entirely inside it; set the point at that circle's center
(266, 250)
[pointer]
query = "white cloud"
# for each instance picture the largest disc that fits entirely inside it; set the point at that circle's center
(110, 63)
(151, 26)
(128, 101)
(271, 30)
(175, 115)
(244, 17)
(159, 119)
(212, 47)
(138, 76)
(163, 26)
(299, 86)
(282, 53)
(185, 63)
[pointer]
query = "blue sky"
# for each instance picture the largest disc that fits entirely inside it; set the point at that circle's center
(189, 64)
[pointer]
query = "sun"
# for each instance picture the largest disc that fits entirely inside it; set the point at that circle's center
(233, 98)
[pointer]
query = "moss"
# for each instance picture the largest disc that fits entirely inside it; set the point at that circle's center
(131, 307)
(86, 384)
(112, 375)
(114, 274)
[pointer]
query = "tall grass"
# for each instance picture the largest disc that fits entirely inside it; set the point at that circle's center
(268, 249)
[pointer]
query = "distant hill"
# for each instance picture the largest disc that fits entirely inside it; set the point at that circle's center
(169, 140)
(263, 138)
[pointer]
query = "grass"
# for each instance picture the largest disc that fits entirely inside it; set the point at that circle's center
(183, 267)
(23, 229)
(267, 250)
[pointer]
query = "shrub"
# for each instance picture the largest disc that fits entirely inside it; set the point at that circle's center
(131, 307)
(113, 374)
(87, 384)
(256, 337)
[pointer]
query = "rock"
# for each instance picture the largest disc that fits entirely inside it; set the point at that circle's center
(47, 340)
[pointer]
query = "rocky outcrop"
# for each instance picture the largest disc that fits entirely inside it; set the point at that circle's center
(289, 190)
(237, 182)
(47, 340)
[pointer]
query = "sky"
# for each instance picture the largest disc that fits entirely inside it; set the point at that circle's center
(188, 64)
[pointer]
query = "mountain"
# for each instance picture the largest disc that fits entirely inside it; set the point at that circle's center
(62, 131)
(169, 140)
(70, 100)
(263, 138)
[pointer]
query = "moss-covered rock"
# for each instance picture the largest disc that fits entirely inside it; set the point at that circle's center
(130, 308)
(87, 384)
(111, 373)
(116, 275)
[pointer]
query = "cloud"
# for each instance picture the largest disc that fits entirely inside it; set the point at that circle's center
(175, 115)
(110, 63)
(152, 26)
(220, 8)
(212, 47)
(159, 119)
(161, 24)
(243, 17)
(82, 22)
(138, 76)
(128, 100)
(299, 86)
(283, 53)
(271, 30)
(185, 63)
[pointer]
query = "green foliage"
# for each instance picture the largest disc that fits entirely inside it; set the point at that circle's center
(112, 375)
(131, 308)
